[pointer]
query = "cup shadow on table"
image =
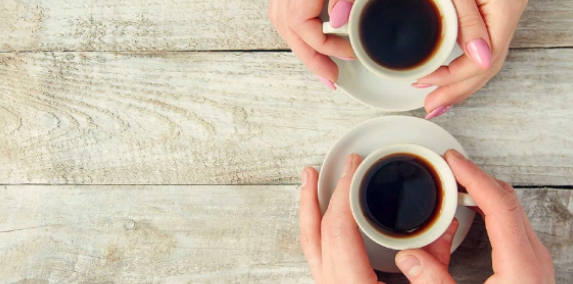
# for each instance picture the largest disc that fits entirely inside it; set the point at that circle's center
(470, 263)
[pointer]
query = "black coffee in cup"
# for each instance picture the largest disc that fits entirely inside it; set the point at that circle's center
(400, 34)
(401, 195)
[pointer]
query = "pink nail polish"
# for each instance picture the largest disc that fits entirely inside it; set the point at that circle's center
(421, 85)
(340, 14)
(480, 53)
(438, 112)
(327, 82)
(345, 58)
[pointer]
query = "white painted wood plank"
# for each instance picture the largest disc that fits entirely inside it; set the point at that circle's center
(545, 23)
(177, 25)
(140, 25)
(248, 118)
(150, 235)
(202, 234)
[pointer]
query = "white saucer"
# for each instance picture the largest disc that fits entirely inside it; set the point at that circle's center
(368, 137)
(372, 90)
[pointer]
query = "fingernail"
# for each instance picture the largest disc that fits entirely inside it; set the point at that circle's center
(449, 234)
(480, 53)
(327, 82)
(347, 165)
(421, 85)
(457, 154)
(340, 14)
(439, 111)
(345, 58)
(448, 237)
(410, 265)
(304, 177)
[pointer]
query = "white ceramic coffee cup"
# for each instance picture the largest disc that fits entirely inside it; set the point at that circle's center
(445, 48)
(451, 198)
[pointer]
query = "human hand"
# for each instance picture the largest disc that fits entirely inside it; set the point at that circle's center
(518, 256)
(298, 23)
(486, 28)
(333, 245)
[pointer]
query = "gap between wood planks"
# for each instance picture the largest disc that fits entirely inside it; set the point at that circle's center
(219, 50)
(556, 187)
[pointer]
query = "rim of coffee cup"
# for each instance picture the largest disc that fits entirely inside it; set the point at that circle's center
(449, 201)
(449, 38)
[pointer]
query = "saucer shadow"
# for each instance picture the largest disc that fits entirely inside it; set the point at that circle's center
(470, 263)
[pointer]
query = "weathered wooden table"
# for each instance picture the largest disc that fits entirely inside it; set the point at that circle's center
(161, 141)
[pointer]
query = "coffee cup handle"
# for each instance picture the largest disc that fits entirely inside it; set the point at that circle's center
(465, 199)
(328, 29)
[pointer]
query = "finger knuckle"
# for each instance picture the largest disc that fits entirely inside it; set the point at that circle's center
(510, 202)
(509, 189)
(293, 19)
(470, 20)
(290, 21)
(338, 226)
(502, 183)
(313, 62)
(449, 71)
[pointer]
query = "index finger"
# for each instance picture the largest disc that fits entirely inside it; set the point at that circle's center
(473, 34)
(305, 22)
(501, 208)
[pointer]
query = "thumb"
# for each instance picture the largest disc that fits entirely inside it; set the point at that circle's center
(473, 34)
(420, 267)
(339, 11)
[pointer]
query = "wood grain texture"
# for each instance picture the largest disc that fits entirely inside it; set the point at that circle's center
(203, 234)
(545, 23)
(150, 235)
(248, 118)
(142, 25)
(182, 25)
